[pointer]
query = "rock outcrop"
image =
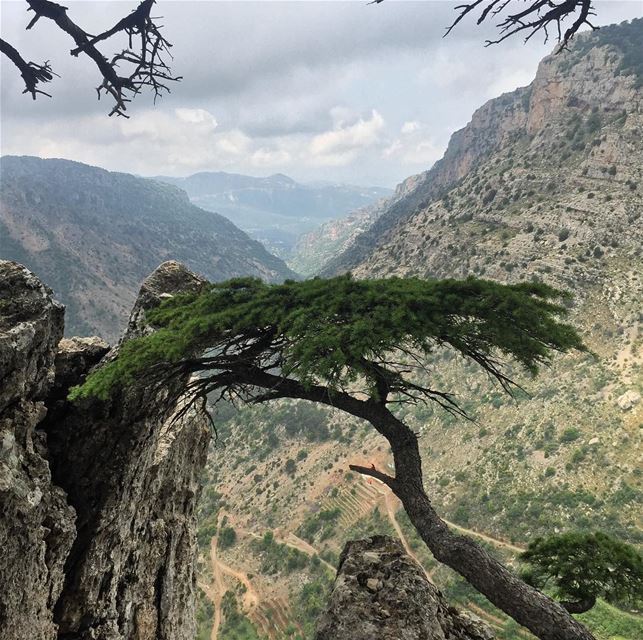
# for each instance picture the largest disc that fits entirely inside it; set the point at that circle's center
(380, 592)
(97, 498)
(36, 522)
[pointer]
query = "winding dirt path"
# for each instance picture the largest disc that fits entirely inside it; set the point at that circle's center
(250, 597)
(293, 541)
(486, 538)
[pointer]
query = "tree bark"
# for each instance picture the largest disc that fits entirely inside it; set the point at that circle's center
(544, 617)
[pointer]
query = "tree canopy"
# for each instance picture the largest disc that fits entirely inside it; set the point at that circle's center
(340, 331)
(582, 567)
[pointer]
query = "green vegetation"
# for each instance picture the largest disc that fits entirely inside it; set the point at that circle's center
(277, 557)
(340, 329)
(582, 567)
(321, 524)
(311, 602)
(204, 617)
(627, 38)
(227, 537)
(609, 623)
(235, 625)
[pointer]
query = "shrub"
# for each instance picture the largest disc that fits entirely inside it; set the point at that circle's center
(227, 538)
(570, 434)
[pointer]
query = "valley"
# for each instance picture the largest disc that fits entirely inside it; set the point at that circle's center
(540, 186)
(131, 510)
(276, 210)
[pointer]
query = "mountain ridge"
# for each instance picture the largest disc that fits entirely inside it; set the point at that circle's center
(97, 233)
(521, 112)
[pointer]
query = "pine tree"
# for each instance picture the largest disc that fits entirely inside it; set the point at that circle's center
(361, 347)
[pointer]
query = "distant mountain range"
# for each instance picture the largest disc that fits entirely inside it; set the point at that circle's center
(275, 210)
(93, 235)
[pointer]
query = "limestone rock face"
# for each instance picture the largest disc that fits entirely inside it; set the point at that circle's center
(131, 473)
(98, 498)
(36, 523)
(381, 593)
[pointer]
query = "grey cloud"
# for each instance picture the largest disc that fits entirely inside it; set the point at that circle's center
(271, 74)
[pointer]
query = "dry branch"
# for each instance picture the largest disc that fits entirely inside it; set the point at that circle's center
(146, 62)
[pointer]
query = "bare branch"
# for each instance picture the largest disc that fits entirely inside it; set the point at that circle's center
(31, 72)
(149, 68)
(538, 16)
(374, 473)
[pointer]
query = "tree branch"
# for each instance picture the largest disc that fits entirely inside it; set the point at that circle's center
(150, 70)
(31, 73)
(374, 473)
(539, 15)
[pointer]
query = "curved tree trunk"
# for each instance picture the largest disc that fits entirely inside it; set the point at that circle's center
(544, 617)
(531, 608)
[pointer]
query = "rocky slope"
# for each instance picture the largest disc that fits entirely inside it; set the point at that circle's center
(275, 210)
(94, 235)
(573, 130)
(97, 499)
(314, 249)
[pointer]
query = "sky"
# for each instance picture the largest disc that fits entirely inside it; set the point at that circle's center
(321, 91)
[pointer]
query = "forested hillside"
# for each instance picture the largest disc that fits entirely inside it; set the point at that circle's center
(545, 183)
(96, 234)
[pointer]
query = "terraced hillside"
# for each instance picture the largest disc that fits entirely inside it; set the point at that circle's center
(545, 183)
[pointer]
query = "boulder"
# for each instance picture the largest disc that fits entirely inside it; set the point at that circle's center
(380, 593)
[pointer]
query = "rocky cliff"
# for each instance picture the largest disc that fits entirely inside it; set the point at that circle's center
(578, 118)
(36, 521)
(97, 499)
(380, 592)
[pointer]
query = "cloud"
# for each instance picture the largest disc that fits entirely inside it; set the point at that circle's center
(410, 127)
(196, 116)
(323, 91)
(414, 146)
(341, 145)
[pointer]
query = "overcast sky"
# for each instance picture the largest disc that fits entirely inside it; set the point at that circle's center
(342, 91)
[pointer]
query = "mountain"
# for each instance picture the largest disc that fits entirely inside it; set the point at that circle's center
(545, 183)
(275, 210)
(314, 249)
(565, 128)
(95, 234)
